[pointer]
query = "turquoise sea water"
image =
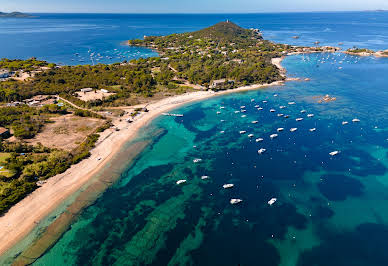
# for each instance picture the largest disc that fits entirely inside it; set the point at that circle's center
(330, 210)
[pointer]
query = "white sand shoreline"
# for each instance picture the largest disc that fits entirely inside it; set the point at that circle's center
(21, 219)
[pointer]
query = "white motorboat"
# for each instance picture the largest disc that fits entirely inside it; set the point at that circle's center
(333, 153)
(272, 201)
(261, 151)
(226, 186)
(235, 201)
(181, 181)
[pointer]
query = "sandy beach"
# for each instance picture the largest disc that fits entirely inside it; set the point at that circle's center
(19, 221)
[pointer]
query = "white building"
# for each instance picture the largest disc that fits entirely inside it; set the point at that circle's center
(86, 89)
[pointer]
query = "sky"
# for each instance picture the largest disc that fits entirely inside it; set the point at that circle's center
(188, 6)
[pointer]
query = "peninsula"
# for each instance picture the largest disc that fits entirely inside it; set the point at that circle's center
(14, 15)
(62, 125)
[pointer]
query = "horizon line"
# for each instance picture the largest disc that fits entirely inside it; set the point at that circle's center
(202, 13)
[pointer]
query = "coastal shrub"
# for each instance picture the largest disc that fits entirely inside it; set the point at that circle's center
(14, 192)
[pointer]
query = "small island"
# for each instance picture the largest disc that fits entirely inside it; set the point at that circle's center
(14, 15)
(366, 52)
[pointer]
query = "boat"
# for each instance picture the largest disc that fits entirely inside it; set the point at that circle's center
(272, 201)
(356, 120)
(312, 129)
(255, 122)
(181, 181)
(286, 116)
(243, 111)
(299, 119)
(273, 136)
(242, 107)
(218, 112)
(243, 132)
(222, 107)
(251, 135)
(259, 140)
(204, 177)
(310, 115)
(265, 101)
(279, 115)
(257, 106)
(275, 95)
(291, 103)
(176, 115)
(261, 151)
(235, 201)
(243, 116)
(252, 100)
(282, 107)
(333, 153)
(280, 129)
(293, 129)
(197, 160)
(226, 186)
(303, 111)
(345, 122)
(260, 108)
(236, 112)
(272, 110)
(222, 120)
(222, 132)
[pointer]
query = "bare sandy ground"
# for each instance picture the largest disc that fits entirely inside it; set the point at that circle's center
(22, 217)
(66, 132)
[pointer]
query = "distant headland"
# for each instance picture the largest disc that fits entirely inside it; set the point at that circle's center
(14, 15)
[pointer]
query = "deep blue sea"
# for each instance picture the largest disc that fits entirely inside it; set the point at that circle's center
(330, 210)
(71, 38)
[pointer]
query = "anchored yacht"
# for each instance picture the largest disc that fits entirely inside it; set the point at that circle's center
(228, 186)
(235, 201)
(181, 181)
(272, 201)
